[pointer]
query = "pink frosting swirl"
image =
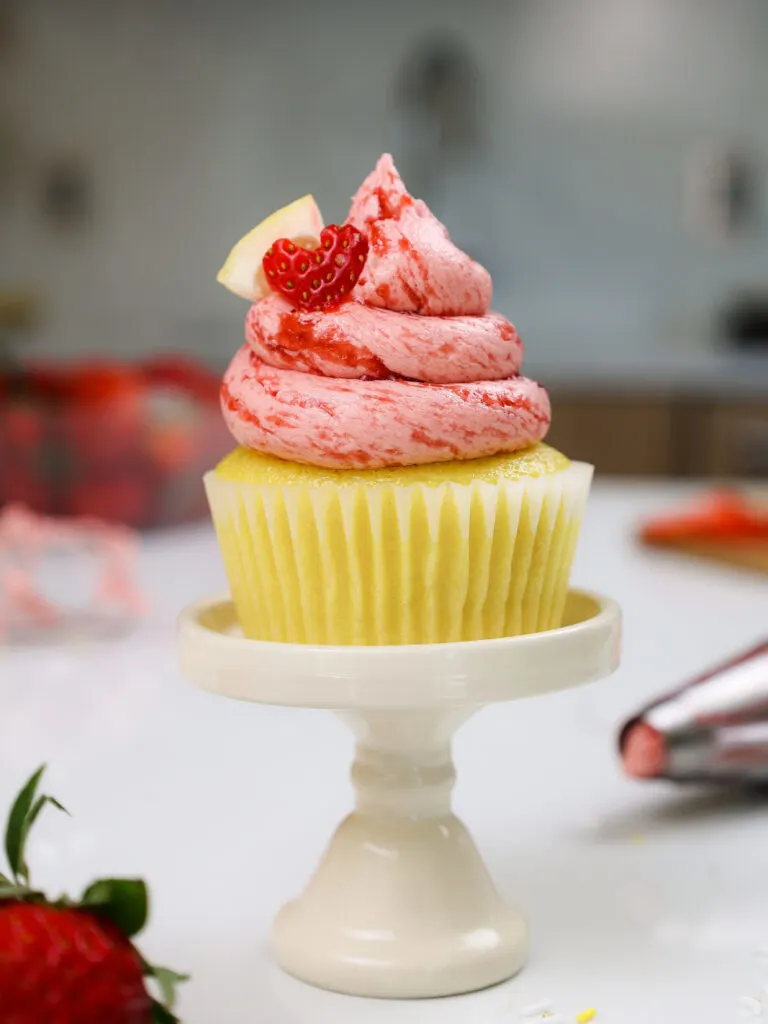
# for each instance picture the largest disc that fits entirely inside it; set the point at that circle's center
(413, 266)
(414, 369)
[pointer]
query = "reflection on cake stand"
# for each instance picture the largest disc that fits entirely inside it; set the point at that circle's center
(401, 905)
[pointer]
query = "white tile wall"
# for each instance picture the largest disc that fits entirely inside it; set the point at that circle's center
(197, 118)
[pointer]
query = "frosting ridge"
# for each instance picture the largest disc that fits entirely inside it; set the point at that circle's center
(413, 369)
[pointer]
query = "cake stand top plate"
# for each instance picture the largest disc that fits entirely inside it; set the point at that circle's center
(216, 656)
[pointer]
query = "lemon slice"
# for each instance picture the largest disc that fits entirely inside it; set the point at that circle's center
(242, 273)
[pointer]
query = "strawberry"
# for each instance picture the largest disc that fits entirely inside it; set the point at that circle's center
(103, 416)
(123, 497)
(66, 962)
(173, 446)
(322, 278)
(23, 426)
(186, 375)
(23, 484)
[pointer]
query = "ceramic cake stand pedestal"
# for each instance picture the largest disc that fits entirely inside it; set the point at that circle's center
(401, 905)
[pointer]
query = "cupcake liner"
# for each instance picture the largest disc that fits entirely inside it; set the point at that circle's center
(392, 563)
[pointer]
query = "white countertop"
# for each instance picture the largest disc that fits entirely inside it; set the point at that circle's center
(646, 902)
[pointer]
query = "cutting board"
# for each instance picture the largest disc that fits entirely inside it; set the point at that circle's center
(727, 525)
(742, 554)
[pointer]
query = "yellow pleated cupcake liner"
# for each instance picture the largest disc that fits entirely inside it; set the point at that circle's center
(382, 561)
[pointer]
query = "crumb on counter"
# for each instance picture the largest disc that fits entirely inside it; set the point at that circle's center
(586, 1015)
(542, 1008)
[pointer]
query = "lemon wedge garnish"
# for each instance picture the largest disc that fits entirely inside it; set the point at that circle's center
(242, 273)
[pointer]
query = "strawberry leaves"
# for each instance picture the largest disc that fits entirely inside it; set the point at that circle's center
(122, 901)
(166, 981)
(11, 891)
(22, 817)
(161, 1014)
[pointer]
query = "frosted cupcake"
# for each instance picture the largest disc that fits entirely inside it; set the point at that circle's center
(390, 484)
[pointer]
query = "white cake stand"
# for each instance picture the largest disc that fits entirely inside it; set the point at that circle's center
(401, 905)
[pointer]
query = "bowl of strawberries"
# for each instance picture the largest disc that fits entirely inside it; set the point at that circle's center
(125, 443)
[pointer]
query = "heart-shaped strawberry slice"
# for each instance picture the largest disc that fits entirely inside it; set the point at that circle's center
(317, 278)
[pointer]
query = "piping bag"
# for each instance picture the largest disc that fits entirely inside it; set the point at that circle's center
(712, 729)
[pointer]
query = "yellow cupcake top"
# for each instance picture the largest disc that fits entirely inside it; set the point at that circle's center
(245, 466)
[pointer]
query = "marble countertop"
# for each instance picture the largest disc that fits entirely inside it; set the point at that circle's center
(646, 902)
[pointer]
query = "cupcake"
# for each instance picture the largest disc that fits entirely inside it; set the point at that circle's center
(390, 484)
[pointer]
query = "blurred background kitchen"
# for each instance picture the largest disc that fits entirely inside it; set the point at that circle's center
(606, 159)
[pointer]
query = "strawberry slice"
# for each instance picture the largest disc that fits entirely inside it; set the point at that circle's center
(321, 278)
(722, 515)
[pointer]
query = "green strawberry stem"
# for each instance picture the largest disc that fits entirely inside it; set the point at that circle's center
(123, 901)
(166, 981)
(21, 818)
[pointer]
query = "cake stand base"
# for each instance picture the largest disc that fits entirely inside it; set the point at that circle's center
(401, 910)
(401, 905)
